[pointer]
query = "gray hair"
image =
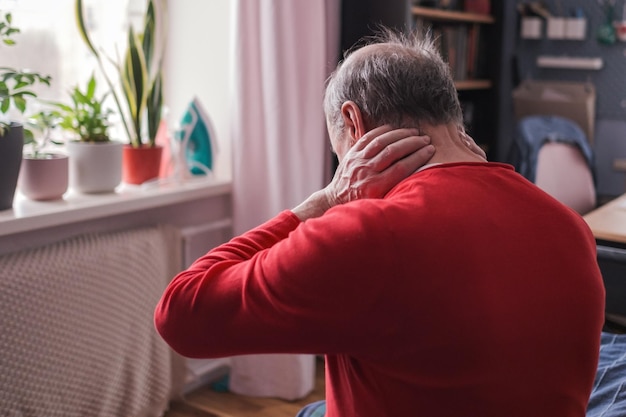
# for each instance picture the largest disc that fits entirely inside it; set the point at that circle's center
(403, 82)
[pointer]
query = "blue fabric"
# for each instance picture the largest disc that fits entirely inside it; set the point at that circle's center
(608, 397)
(316, 409)
(534, 131)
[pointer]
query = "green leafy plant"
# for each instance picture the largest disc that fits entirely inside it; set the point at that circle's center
(7, 30)
(140, 74)
(86, 117)
(15, 85)
(43, 122)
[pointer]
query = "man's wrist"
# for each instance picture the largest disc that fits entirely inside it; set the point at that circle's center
(314, 206)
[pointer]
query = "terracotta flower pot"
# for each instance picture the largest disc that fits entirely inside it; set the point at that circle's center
(11, 145)
(45, 177)
(141, 164)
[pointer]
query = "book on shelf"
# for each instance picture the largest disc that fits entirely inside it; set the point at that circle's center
(473, 39)
(477, 6)
(459, 46)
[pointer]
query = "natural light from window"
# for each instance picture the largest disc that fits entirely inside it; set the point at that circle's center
(196, 57)
(49, 41)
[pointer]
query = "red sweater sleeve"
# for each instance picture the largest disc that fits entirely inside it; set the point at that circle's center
(255, 294)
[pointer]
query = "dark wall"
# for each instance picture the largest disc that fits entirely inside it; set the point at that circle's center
(610, 81)
(360, 18)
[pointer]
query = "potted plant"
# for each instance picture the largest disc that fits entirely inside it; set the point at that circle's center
(15, 89)
(141, 80)
(44, 174)
(95, 161)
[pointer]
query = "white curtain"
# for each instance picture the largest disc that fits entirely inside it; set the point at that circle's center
(283, 51)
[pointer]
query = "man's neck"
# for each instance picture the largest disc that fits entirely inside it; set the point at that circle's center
(450, 145)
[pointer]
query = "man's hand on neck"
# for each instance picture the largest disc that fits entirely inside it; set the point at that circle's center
(377, 162)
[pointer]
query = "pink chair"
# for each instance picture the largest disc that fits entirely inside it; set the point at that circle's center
(563, 172)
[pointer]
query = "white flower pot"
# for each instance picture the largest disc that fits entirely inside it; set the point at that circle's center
(95, 167)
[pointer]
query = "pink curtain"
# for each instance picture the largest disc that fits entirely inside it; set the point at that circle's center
(283, 51)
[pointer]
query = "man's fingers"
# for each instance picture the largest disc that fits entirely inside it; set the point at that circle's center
(377, 163)
(386, 140)
(414, 160)
(472, 145)
(401, 149)
(399, 170)
(367, 138)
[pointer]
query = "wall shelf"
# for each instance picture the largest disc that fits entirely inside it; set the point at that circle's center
(450, 15)
(473, 84)
(568, 62)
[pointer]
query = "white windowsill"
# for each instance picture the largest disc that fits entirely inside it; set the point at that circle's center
(27, 215)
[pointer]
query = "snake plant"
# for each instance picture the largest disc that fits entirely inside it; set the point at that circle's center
(139, 72)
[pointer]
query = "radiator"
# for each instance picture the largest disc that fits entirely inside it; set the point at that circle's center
(76, 326)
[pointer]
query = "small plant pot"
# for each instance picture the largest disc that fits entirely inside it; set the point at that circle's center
(45, 177)
(95, 167)
(11, 145)
(141, 164)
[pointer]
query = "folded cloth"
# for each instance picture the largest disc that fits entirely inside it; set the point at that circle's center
(608, 397)
(316, 409)
(534, 131)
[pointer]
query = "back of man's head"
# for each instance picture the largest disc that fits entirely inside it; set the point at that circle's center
(395, 79)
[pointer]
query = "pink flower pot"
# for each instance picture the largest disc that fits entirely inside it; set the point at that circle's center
(45, 177)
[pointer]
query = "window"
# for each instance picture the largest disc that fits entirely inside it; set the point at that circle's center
(196, 61)
(49, 41)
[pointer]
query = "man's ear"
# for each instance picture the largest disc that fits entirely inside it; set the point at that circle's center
(353, 121)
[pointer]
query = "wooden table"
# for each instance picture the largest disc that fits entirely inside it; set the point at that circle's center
(608, 222)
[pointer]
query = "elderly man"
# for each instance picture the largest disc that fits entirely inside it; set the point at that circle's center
(446, 289)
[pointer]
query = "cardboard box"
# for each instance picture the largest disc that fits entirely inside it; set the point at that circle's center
(575, 101)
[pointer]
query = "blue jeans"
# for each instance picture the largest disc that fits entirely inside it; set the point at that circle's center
(316, 409)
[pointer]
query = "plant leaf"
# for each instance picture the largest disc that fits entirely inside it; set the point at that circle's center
(19, 103)
(91, 87)
(28, 137)
(21, 84)
(148, 38)
(154, 104)
(82, 29)
(24, 93)
(134, 81)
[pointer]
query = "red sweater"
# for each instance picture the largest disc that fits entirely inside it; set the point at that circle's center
(466, 291)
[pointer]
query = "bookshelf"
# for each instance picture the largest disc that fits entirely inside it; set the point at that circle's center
(486, 96)
(461, 39)
(464, 40)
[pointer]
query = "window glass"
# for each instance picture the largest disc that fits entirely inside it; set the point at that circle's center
(50, 43)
